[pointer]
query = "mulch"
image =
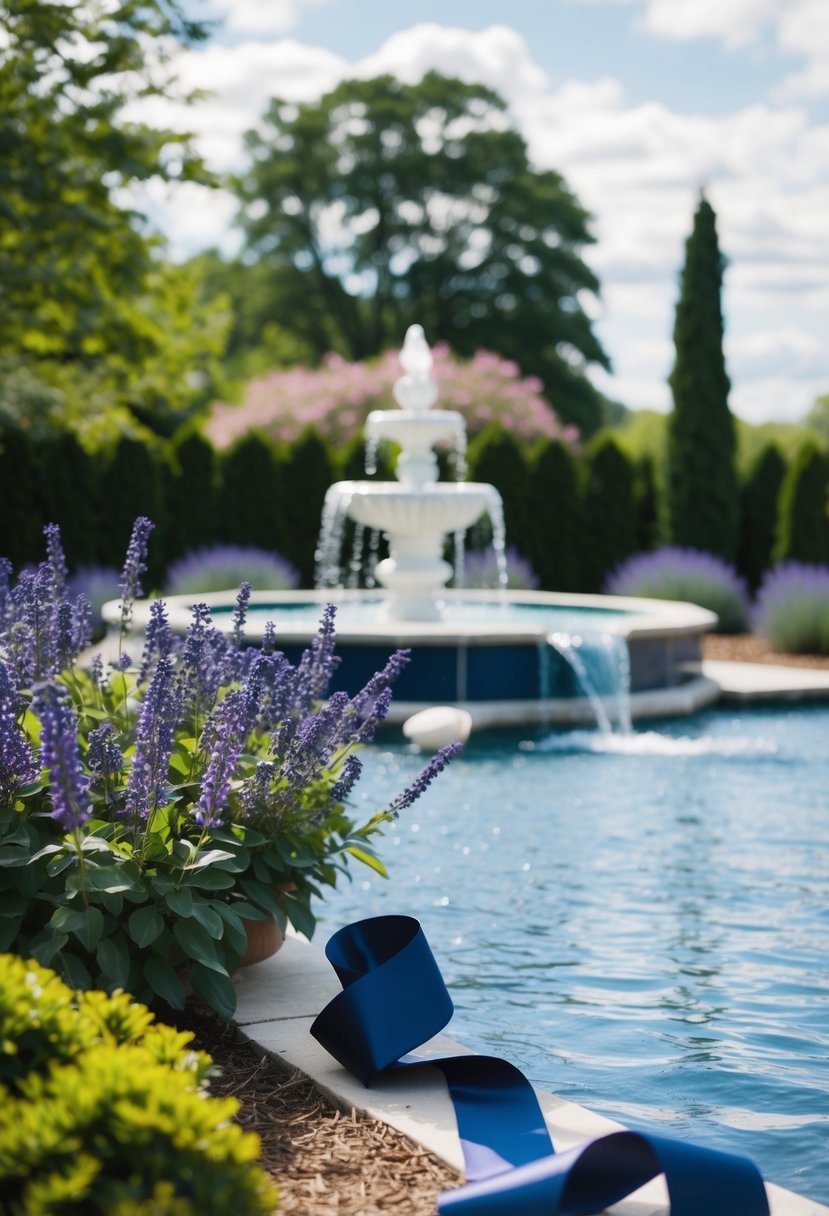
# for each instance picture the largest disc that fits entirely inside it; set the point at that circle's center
(325, 1162)
(329, 1162)
(749, 648)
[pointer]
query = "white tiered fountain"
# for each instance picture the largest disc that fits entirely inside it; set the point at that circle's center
(417, 512)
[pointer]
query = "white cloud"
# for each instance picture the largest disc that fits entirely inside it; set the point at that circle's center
(262, 17)
(637, 169)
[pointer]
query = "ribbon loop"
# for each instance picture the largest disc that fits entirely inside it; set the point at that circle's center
(394, 999)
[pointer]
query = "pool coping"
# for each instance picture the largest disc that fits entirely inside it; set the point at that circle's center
(279, 999)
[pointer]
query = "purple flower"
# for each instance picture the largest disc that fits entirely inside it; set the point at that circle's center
(59, 753)
(135, 564)
(792, 608)
(6, 570)
(104, 757)
(227, 729)
(147, 782)
(674, 573)
(18, 766)
(159, 640)
(318, 662)
(242, 601)
(220, 567)
(436, 765)
(351, 770)
(56, 558)
(480, 569)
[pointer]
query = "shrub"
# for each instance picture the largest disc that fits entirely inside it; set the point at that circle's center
(496, 458)
(149, 810)
(191, 489)
(308, 471)
(102, 1109)
(803, 529)
(249, 510)
(685, 574)
(608, 512)
(336, 398)
(759, 509)
(224, 567)
(792, 608)
(481, 570)
(553, 539)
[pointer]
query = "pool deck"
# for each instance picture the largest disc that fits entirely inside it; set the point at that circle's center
(740, 683)
(277, 1002)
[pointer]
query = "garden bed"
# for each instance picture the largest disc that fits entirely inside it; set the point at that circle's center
(749, 648)
(325, 1162)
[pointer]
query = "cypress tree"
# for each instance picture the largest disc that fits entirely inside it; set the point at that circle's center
(608, 512)
(21, 538)
(308, 471)
(648, 530)
(803, 527)
(759, 510)
(495, 458)
(703, 490)
(554, 533)
(250, 495)
(191, 493)
(131, 485)
(68, 494)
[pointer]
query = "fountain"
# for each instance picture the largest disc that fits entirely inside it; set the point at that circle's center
(505, 657)
(417, 512)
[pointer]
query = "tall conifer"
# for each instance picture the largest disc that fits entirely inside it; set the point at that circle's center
(703, 488)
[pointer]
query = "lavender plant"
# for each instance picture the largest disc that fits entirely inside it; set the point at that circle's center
(219, 567)
(674, 573)
(792, 608)
(151, 806)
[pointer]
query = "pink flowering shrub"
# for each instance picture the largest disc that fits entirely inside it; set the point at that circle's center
(336, 398)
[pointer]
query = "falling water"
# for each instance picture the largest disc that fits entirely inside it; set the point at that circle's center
(330, 543)
(370, 458)
(601, 665)
(499, 538)
(355, 565)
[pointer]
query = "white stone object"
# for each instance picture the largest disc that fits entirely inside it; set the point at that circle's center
(437, 727)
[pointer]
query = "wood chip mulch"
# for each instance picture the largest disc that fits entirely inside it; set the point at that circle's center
(324, 1161)
(749, 648)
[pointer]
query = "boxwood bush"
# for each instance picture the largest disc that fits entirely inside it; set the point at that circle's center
(792, 608)
(102, 1109)
(675, 573)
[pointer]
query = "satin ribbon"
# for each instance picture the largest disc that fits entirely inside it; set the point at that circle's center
(394, 999)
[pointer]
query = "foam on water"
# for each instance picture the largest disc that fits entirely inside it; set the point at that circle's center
(651, 743)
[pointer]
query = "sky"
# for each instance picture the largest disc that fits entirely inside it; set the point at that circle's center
(639, 104)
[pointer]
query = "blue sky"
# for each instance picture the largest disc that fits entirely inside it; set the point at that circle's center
(637, 103)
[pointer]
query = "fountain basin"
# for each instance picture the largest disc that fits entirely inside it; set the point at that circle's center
(489, 653)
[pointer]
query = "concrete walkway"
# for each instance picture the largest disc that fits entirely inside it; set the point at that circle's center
(279, 999)
(743, 682)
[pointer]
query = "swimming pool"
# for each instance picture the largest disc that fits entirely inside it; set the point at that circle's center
(641, 925)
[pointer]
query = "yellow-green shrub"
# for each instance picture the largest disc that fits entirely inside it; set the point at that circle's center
(104, 1110)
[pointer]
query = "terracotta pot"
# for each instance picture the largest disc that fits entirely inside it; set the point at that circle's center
(264, 939)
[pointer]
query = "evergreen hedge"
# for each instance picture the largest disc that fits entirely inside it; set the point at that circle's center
(609, 515)
(759, 513)
(803, 525)
(553, 538)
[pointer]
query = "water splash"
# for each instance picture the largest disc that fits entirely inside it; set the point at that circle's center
(652, 743)
(601, 665)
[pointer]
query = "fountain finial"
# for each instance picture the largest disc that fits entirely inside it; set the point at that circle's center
(416, 390)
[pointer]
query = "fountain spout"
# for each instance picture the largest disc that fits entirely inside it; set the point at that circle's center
(417, 512)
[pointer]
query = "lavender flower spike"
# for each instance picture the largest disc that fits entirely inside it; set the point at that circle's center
(59, 748)
(413, 792)
(135, 565)
(18, 766)
(228, 728)
(155, 735)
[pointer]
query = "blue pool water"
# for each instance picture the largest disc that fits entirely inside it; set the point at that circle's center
(642, 925)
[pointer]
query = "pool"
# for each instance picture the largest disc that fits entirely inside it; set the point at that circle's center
(641, 925)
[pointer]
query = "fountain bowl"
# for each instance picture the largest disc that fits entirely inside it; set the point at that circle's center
(391, 506)
(490, 651)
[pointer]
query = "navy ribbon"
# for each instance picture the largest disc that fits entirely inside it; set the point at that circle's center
(394, 999)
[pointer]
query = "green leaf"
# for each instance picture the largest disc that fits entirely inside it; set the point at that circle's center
(368, 859)
(211, 857)
(259, 894)
(165, 981)
(102, 878)
(9, 931)
(114, 959)
(180, 901)
(73, 971)
(46, 850)
(300, 916)
(234, 936)
(58, 864)
(46, 944)
(216, 990)
(86, 924)
(197, 944)
(145, 925)
(205, 915)
(210, 880)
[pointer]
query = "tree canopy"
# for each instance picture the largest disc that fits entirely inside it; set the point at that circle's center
(80, 279)
(386, 203)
